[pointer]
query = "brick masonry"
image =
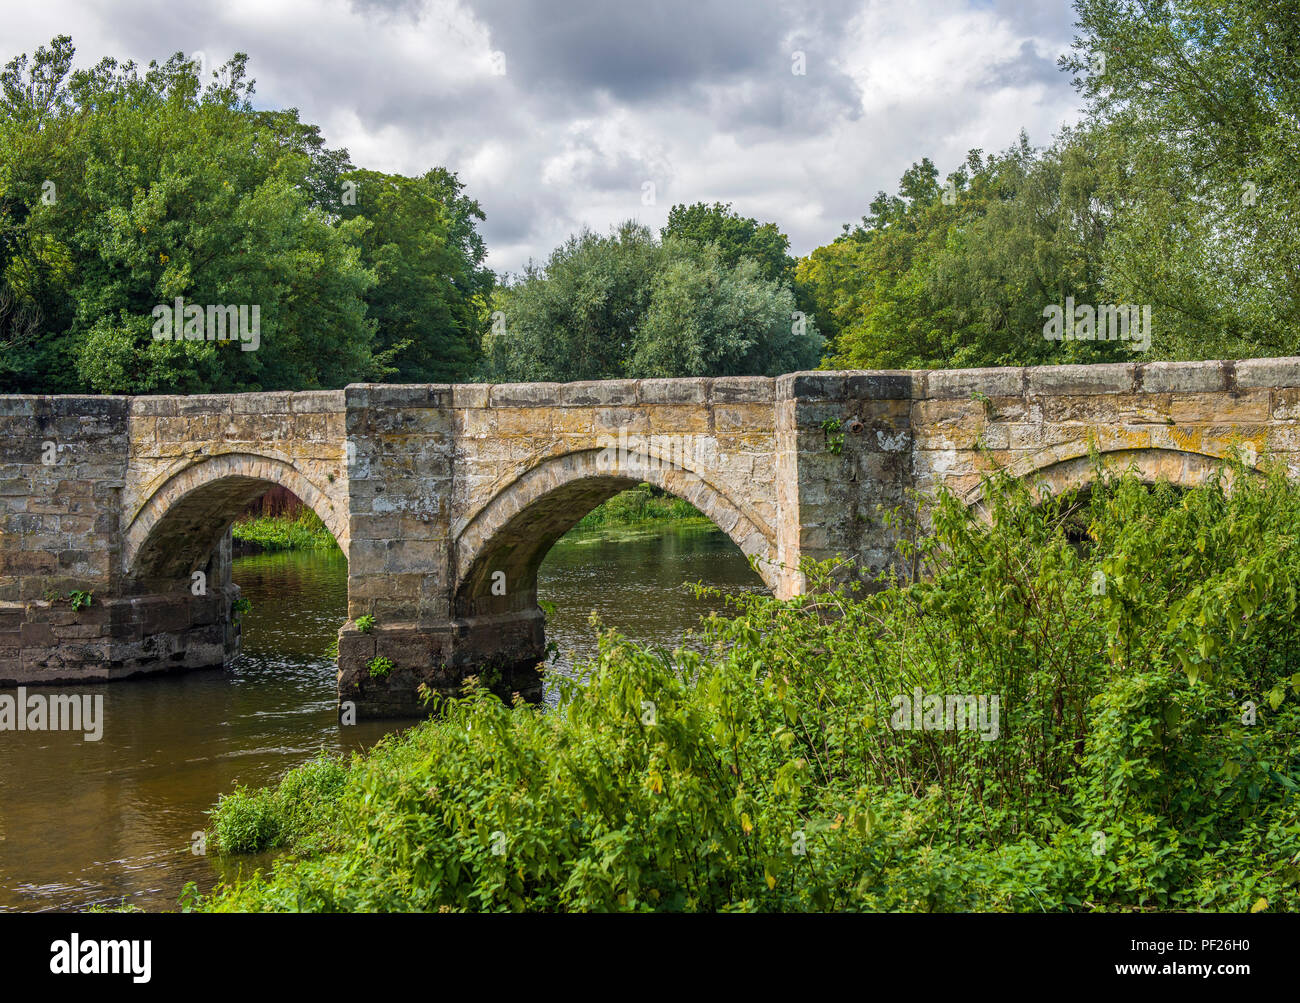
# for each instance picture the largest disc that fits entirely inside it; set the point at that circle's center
(445, 499)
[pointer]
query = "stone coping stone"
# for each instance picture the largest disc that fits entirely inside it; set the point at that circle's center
(1068, 380)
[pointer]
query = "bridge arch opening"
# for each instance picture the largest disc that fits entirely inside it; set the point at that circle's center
(1076, 475)
(499, 551)
(182, 526)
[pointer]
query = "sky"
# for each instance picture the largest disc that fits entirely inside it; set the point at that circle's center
(564, 114)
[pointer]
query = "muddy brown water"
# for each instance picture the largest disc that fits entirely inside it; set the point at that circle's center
(116, 820)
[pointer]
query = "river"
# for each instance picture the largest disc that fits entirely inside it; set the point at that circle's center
(87, 824)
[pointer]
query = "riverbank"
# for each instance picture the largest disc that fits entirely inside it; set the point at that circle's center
(629, 515)
(303, 530)
(1005, 735)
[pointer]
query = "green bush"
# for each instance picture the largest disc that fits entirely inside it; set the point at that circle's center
(302, 531)
(1145, 755)
(297, 811)
(643, 503)
(247, 821)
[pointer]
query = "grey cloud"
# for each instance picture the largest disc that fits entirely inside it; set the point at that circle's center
(641, 52)
(1026, 66)
(674, 79)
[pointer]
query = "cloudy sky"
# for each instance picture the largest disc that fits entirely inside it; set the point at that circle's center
(559, 114)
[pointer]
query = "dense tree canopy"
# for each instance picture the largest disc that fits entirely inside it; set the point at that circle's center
(736, 237)
(1201, 101)
(624, 305)
(1178, 191)
(432, 291)
(122, 192)
(960, 273)
(125, 191)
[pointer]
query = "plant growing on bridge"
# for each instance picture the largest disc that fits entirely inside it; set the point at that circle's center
(834, 433)
(379, 666)
(366, 623)
(241, 606)
(76, 599)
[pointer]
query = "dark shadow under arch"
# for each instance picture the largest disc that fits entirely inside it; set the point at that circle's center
(508, 538)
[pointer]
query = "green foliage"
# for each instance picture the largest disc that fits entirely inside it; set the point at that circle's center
(623, 305)
(735, 237)
(432, 292)
(1176, 191)
(379, 666)
(832, 428)
(960, 274)
(1199, 99)
(643, 503)
(365, 624)
(76, 599)
(573, 318)
(165, 187)
(122, 191)
(762, 767)
(296, 811)
(304, 530)
(708, 318)
(246, 821)
(241, 606)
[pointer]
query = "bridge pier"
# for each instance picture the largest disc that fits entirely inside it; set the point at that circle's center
(503, 651)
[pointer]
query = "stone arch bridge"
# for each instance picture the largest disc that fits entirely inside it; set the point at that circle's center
(445, 499)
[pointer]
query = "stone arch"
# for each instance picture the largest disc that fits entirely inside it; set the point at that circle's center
(184, 519)
(515, 529)
(1057, 474)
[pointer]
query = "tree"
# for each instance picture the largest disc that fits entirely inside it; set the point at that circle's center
(1201, 99)
(623, 305)
(432, 291)
(575, 317)
(708, 317)
(736, 237)
(960, 274)
(122, 191)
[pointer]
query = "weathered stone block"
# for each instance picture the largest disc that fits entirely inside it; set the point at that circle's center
(1185, 377)
(1116, 377)
(742, 389)
(961, 383)
(691, 391)
(811, 386)
(1257, 373)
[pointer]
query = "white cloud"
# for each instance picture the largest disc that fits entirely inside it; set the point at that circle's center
(598, 99)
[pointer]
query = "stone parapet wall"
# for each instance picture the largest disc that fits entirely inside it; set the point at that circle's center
(446, 499)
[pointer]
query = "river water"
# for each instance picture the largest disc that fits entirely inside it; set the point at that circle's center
(102, 823)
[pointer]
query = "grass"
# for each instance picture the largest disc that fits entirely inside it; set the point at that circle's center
(641, 504)
(303, 530)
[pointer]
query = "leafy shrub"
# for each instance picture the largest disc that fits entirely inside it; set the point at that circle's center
(246, 821)
(301, 531)
(293, 812)
(1146, 752)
